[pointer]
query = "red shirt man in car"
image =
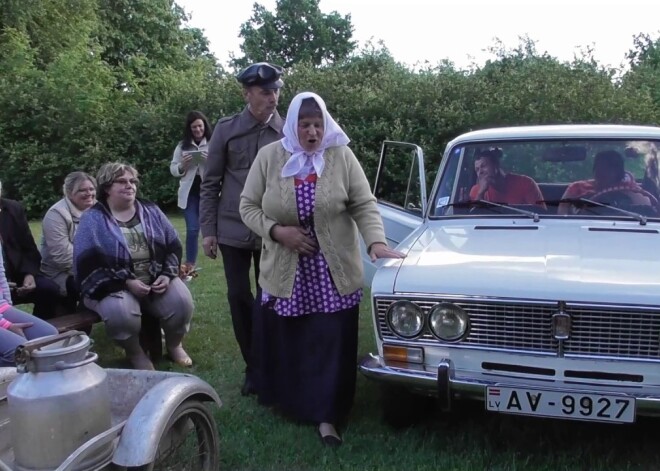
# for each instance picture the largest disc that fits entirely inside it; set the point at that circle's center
(498, 186)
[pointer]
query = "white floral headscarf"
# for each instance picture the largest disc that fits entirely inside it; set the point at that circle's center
(301, 163)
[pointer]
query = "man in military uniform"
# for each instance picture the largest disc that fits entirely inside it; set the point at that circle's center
(233, 147)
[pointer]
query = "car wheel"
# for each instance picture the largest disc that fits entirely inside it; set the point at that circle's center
(401, 408)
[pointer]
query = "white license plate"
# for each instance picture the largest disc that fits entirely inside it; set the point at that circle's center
(563, 404)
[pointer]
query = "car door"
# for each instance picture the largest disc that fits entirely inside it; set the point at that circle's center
(400, 190)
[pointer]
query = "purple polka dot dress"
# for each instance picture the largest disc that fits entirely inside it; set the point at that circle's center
(308, 343)
(313, 288)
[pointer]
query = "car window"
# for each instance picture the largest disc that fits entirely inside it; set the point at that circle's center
(535, 175)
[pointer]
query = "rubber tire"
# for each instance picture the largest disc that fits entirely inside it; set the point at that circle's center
(206, 430)
(402, 408)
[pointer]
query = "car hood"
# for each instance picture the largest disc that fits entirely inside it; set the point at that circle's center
(603, 262)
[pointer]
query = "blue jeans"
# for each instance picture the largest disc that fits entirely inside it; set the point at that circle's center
(191, 216)
(9, 340)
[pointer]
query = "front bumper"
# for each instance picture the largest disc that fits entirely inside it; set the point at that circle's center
(447, 384)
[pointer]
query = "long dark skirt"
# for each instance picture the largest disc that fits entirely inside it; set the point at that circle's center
(308, 364)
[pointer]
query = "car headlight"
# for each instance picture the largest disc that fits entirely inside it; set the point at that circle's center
(448, 321)
(405, 319)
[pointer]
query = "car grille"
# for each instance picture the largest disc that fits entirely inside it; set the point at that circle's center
(595, 331)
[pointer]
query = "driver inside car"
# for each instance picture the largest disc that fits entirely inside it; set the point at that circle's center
(609, 177)
(497, 186)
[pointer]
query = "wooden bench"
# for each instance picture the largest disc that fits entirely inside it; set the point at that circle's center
(84, 319)
(79, 320)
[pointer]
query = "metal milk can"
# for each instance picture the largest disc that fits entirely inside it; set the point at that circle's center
(60, 401)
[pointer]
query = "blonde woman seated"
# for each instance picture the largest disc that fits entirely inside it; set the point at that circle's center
(58, 229)
(126, 259)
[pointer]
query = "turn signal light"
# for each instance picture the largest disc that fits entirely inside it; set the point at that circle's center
(403, 354)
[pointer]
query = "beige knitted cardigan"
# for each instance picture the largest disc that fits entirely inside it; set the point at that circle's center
(344, 204)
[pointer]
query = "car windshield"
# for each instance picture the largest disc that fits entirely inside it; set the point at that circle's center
(568, 178)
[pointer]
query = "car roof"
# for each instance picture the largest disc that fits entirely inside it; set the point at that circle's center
(559, 131)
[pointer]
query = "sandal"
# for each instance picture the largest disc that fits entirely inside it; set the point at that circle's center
(179, 356)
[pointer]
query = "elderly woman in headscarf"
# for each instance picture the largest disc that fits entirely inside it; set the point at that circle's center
(308, 197)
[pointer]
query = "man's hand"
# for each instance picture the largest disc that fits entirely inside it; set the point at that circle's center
(28, 285)
(18, 328)
(138, 288)
(483, 184)
(210, 245)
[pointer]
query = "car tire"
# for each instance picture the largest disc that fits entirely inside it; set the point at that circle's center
(402, 408)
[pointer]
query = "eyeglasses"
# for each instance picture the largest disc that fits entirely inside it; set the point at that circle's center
(124, 181)
(86, 190)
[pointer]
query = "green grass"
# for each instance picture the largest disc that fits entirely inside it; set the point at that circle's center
(254, 438)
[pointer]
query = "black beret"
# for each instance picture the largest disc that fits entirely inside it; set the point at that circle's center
(261, 74)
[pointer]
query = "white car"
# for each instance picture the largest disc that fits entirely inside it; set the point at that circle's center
(534, 287)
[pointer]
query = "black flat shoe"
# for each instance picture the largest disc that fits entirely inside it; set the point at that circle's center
(329, 440)
(248, 388)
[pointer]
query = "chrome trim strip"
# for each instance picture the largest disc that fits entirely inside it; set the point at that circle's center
(647, 399)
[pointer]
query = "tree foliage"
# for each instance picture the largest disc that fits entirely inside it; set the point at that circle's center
(644, 73)
(296, 32)
(85, 82)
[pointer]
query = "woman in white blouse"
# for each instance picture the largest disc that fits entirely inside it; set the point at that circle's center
(188, 164)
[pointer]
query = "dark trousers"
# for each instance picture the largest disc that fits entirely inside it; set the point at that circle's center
(72, 296)
(242, 302)
(45, 297)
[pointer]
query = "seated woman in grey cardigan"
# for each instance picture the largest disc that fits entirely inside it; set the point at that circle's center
(307, 197)
(58, 229)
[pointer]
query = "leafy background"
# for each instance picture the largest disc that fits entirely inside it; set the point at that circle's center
(85, 82)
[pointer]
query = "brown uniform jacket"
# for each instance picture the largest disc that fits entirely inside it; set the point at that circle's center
(233, 147)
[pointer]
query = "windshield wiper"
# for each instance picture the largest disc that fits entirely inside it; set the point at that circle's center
(587, 202)
(486, 204)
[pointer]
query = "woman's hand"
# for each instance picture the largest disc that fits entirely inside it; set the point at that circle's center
(18, 328)
(138, 288)
(295, 238)
(186, 161)
(160, 285)
(381, 250)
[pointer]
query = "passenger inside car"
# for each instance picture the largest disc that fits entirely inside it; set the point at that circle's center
(496, 185)
(611, 184)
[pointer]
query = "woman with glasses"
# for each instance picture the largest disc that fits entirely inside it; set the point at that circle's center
(126, 262)
(58, 228)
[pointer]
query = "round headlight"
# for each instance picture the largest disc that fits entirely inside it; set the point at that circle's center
(448, 321)
(405, 319)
